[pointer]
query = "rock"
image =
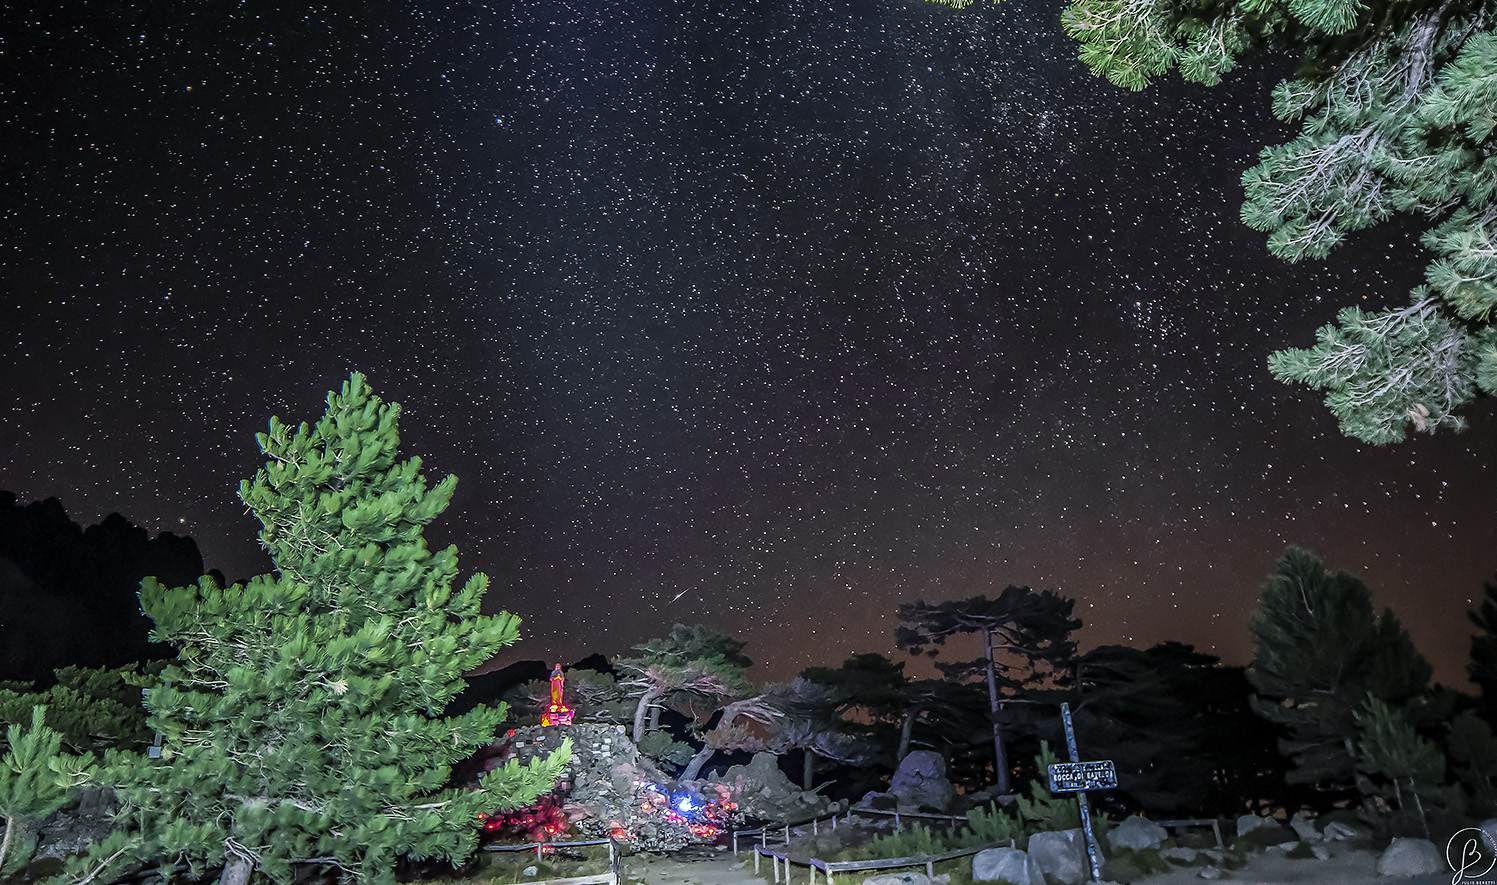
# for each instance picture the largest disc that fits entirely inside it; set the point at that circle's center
(530, 872)
(906, 879)
(87, 819)
(1340, 831)
(1136, 833)
(1411, 857)
(1061, 856)
(1320, 851)
(1210, 872)
(1303, 826)
(607, 789)
(1261, 832)
(1006, 864)
(921, 780)
(765, 792)
(878, 801)
(1179, 855)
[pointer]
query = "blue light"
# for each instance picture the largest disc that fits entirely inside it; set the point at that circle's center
(684, 804)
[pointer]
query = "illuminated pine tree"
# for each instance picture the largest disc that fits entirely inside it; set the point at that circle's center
(36, 779)
(1395, 105)
(302, 720)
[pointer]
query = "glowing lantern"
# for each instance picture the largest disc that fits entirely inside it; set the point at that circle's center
(558, 713)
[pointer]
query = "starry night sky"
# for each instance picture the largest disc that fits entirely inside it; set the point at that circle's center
(766, 315)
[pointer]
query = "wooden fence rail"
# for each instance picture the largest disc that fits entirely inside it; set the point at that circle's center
(780, 833)
(614, 876)
(830, 868)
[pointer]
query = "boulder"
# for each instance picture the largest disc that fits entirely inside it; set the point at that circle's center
(1210, 872)
(1261, 831)
(920, 781)
(1136, 833)
(1303, 826)
(87, 819)
(765, 792)
(1341, 831)
(1061, 856)
(1183, 856)
(1007, 865)
(877, 801)
(1411, 857)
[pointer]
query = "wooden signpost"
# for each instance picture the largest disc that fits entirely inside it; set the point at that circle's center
(1078, 777)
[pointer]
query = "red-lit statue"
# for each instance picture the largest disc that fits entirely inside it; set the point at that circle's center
(558, 713)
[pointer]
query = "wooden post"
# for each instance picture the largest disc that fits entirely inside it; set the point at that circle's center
(1093, 851)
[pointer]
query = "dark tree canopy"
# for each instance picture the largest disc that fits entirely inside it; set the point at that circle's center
(1029, 634)
(1024, 639)
(1483, 665)
(1319, 652)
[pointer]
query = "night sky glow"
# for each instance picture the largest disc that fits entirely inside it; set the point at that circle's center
(764, 315)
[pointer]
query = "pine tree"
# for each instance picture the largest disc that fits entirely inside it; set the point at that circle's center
(36, 779)
(810, 720)
(302, 719)
(873, 692)
(92, 708)
(1473, 754)
(1319, 652)
(1395, 103)
(1401, 774)
(693, 660)
(1024, 635)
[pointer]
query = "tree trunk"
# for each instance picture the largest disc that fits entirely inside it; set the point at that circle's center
(906, 729)
(19, 844)
(236, 871)
(10, 828)
(806, 765)
(639, 713)
(654, 717)
(1000, 754)
(694, 767)
(1418, 803)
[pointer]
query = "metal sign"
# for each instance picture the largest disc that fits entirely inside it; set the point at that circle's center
(1071, 777)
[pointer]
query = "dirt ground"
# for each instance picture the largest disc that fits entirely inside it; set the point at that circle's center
(1352, 868)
